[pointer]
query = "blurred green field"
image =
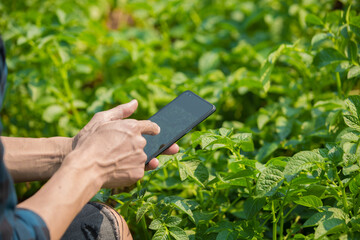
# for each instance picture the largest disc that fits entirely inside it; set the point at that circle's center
(280, 157)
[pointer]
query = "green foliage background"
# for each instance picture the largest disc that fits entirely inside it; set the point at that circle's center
(283, 158)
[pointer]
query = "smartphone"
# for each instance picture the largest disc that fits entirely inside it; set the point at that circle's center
(175, 120)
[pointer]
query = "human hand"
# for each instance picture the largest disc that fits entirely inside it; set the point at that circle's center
(113, 152)
(119, 112)
(154, 163)
(115, 115)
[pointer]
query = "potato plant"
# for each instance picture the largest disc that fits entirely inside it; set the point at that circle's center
(280, 157)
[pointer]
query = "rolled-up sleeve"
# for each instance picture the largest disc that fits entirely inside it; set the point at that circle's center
(16, 223)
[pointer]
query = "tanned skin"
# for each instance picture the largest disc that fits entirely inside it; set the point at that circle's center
(107, 152)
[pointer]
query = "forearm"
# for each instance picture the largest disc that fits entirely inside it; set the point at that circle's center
(64, 195)
(31, 159)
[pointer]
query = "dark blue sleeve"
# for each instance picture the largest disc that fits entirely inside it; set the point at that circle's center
(15, 223)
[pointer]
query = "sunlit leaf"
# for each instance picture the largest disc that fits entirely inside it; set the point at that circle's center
(310, 201)
(155, 224)
(328, 56)
(268, 182)
(178, 233)
(301, 161)
(161, 234)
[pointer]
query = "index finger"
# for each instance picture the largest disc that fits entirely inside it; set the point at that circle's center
(148, 127)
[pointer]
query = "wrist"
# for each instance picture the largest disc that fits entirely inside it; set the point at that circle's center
(79, 163)
(67, 147)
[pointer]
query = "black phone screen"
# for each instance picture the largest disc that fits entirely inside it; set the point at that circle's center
(175, 120)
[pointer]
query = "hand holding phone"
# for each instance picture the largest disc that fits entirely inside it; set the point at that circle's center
(175, 120)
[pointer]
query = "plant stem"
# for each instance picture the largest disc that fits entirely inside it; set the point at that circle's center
(232, 204)
(281, 223)
(143, 223)
(166, 175)
(338, 83)
(292, 226)
(239, 157)
(63, 69)
(249, 186)
(281, 214)
(341, 185)
(289, 212)
(64, 75)
(201, 196)
(274, 220)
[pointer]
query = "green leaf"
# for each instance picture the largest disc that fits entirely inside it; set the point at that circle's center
(178, 233)
(196, 138)
(161, 234)
(155, 224)
(221, 226)
(303, 180)
(352, 122)
(204, 216)
(299, 162)
(352, 51)
(335, 154)
(182, 171)
(355, 223)
(329, 226)
(315, 219)
(244, 140)
(348, 135)
(319, 38)
(173, 221)
(195, 169)
(355, 29)
(328, 56)
(262, 120)
(266, 150)
(328, 213)
(222, 142)
(350, 159)
(353, 103)
(350, 169)
(240, 174)
(329, 105)
(268, 182)
(283, 127)
(315, 189)
(268, 67)
(252, 206)
(354, 72)
(354, 184)
(142, 210)
(237, 166)
(226, 235)
(209, 61)
(310, 201)
(61, 15)
(103, 195)
(184, 207)
(249, 83)
(207, 139)
(312, 19)
(265, 73)
(225, 132)
(52, 113)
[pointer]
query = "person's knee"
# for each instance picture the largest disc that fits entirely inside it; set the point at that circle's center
(98, 221)
(123, 228)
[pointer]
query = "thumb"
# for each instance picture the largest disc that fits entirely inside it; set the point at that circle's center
(122, 111)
